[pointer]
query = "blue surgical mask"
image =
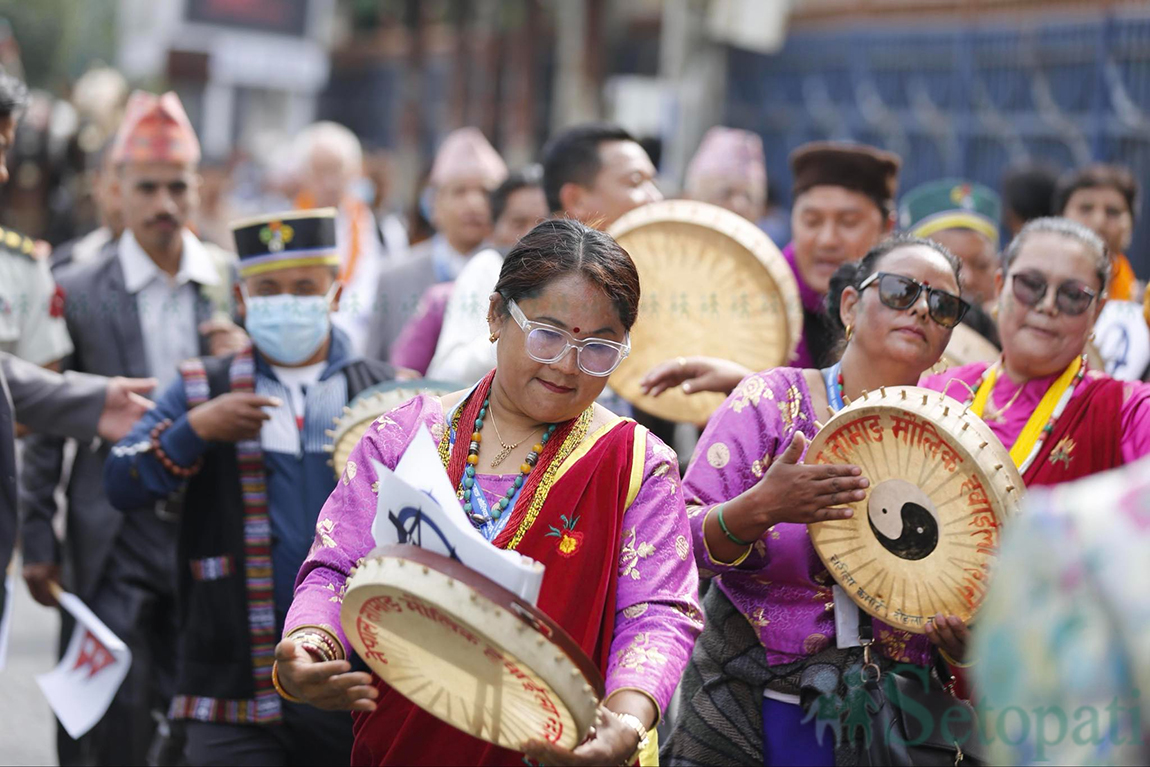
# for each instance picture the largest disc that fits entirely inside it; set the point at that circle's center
(288, 329)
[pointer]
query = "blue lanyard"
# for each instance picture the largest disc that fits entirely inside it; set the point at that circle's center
(480, 504)
(831, 379)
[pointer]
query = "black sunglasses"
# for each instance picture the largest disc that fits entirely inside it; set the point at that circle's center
(899, 292)
(1071, 297)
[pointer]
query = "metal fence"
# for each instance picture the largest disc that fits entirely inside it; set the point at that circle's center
(964, 99)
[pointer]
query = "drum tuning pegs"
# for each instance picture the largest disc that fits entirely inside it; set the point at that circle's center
(965, 425)
(474, 597)
(346, 410)
(587, 688)
(399, 563)
(946, 410)
(830, 411)
(984, 444)
(426, 570)
(450, 582)
(541, 641)
(329, 432)
(882, 391)
(924, 399)
(847, 400)
(998, 467)
(574, 672)
(865, 392)
(1010, 488)
(903, 393)
(560, 657)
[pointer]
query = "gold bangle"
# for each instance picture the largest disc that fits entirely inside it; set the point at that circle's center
(632, 721)
(327, 636)
(280, 688)
(946, 657)
(313, 640)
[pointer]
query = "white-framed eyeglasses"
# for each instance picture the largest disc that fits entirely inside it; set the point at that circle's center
(548, 344)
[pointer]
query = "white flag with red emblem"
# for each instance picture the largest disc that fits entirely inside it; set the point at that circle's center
(82, 685)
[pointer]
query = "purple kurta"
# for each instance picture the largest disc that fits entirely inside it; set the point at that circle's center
(780, 585)
(657, 617)
(415, 345)
(812, 301)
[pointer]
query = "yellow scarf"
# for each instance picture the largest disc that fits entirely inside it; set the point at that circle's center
(1033, 431)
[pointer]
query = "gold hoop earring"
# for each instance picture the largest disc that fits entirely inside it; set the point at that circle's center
(850, 332)
(493, 338)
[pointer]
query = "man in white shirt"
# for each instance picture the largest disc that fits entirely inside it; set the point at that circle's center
(135, 310)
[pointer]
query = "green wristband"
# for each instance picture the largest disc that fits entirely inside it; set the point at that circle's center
(723, 526)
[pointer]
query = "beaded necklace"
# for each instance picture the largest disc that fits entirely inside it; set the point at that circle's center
(469, 492)
(1041, 422)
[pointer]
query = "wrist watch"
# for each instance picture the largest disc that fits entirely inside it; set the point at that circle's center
(634, 723)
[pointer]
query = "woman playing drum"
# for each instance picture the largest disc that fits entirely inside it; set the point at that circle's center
(750, 499)
(1060, 420)
(590, 495)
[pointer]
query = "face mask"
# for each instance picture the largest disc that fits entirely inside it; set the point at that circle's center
(287, 328)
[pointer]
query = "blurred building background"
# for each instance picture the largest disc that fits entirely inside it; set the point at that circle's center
(962, 87)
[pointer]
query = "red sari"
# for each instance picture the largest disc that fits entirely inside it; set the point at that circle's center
(1086, 438)
(578, 591)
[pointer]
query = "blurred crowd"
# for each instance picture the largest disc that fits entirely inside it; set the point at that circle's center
(114, 178)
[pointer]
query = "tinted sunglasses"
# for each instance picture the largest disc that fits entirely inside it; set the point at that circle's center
(900, 293)
(1071, 297)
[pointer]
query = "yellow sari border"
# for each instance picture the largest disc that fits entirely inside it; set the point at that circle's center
(638, 461)
(1033, 431)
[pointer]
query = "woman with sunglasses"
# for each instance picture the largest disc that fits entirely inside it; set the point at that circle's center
(542, 469)
(1060, 420)
(771, 621)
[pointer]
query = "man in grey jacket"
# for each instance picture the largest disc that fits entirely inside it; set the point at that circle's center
(72, 405)
(75, 405)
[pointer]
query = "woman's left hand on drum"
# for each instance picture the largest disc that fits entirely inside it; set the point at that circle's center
(950, 633)
(611, 742)
(330, 685)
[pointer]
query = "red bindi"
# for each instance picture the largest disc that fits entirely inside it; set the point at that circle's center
(576, 330)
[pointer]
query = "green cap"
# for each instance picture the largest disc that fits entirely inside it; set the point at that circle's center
(951, 203)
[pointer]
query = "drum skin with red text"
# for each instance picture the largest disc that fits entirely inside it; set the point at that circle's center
(468, 651)
(925, 538)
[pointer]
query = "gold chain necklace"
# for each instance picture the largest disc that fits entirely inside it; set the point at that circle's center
(506, 451)
(996, 414)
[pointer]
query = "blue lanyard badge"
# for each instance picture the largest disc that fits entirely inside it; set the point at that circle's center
(831, 379)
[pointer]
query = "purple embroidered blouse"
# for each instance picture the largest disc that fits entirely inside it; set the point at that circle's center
(780, 585)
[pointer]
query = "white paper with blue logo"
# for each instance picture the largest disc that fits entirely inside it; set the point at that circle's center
(417, 506)
(1123, 340)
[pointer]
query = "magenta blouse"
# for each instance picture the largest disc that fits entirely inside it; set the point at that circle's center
(1134, 427)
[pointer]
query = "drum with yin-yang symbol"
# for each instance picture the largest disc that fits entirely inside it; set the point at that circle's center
(925, 538)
